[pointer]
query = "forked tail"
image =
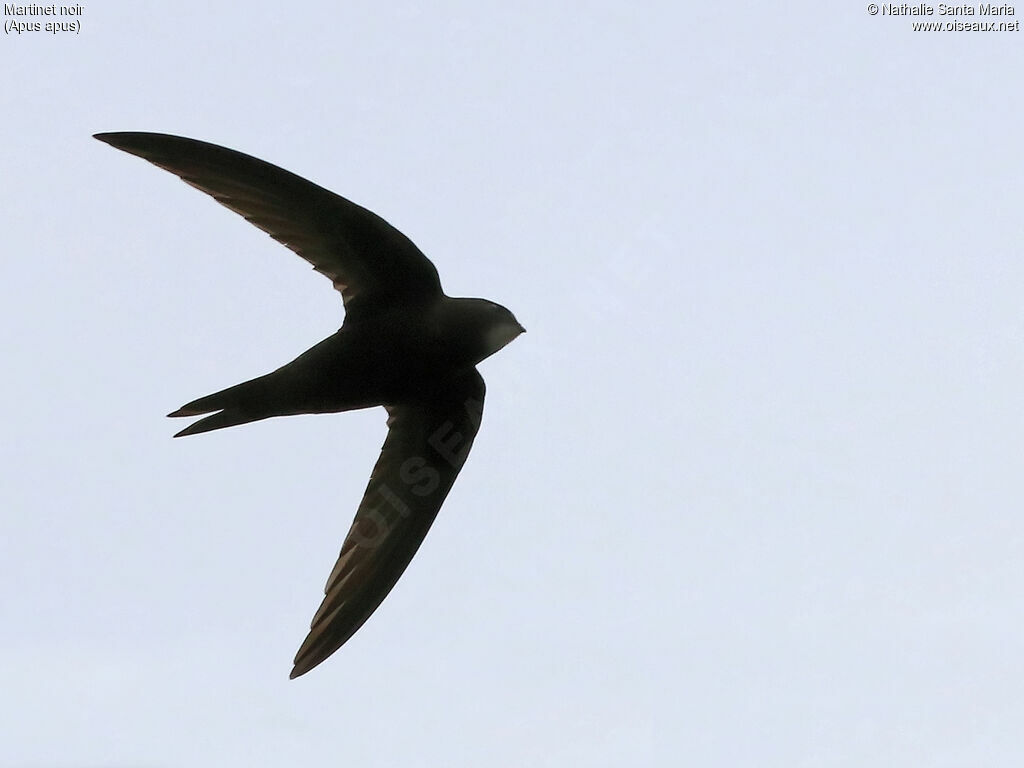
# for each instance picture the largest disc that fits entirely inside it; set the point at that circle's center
(239, 404)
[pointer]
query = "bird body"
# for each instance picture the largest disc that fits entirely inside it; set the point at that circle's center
(404, 345)
(397, 356)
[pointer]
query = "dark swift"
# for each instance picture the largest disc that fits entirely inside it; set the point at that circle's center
(404, 345)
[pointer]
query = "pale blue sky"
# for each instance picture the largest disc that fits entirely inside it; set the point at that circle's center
(749, 491)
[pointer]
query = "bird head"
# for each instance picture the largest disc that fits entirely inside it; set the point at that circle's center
(485, 327)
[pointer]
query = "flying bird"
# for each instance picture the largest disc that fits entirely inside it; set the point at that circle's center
(403, 345)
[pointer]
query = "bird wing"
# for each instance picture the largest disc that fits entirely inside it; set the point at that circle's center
(426, 446)
(367, 259)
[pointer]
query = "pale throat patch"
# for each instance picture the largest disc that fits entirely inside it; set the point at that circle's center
(499, 335)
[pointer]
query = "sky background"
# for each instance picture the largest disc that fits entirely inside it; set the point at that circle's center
(748, 492)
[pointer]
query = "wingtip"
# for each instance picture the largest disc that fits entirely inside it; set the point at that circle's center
(117, 139)
(107, 137)
(305, 660)
(299, 668)
(132, 142)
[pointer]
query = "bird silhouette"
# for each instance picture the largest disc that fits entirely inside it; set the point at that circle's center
(404, 345)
